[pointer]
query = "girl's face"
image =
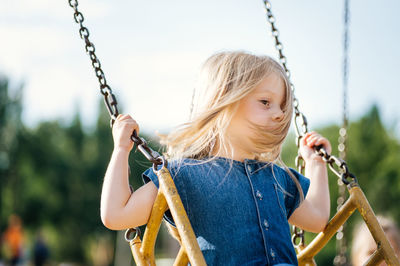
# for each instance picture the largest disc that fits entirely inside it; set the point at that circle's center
(262, 107)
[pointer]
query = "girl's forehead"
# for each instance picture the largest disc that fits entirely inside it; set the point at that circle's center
(273, 84)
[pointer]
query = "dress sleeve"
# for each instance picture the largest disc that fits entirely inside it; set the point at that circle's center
(293, 202)
(149, 175)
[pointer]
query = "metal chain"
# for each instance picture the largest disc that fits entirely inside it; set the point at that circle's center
(105, 90)
(298, 234)
(337, 166)
(341, 243)
(155, 158)
(109, 98)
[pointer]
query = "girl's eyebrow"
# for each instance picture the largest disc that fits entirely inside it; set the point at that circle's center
(268, 91)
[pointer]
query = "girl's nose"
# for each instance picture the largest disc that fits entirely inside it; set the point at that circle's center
(278, 115)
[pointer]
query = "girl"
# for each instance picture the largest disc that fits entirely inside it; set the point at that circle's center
(223, 163)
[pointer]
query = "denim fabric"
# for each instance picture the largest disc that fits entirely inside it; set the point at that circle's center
(238, 210)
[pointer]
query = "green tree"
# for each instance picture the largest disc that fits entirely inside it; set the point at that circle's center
(10, 127)
(375, 158)
(59, 168)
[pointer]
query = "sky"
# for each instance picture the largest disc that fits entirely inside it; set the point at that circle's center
(151, 52)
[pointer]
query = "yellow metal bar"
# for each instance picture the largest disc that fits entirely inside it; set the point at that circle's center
(374, 227)
(357, 200)
(330, 230)
(135, 245)
(188, 238)
(152, 228)
(144, 254)
(308, 262)
(375, 258)
(305, 261)
(182, 258)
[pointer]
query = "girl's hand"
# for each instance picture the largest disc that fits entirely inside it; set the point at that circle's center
(122, 131)
(307, 144)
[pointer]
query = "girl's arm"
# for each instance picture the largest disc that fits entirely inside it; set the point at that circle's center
(119, 208)
(313, 214)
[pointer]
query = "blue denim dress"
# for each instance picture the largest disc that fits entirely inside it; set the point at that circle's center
(238, 210)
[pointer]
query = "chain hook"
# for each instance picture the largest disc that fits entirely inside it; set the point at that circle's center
(132, 233)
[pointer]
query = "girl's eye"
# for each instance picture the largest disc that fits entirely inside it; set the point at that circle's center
(265, 102)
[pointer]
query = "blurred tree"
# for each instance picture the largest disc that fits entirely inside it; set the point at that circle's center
(375, 159)
(51, 175)
(61, 173)
(10, 126)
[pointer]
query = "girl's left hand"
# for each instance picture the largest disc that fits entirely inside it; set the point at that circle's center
(307, 144)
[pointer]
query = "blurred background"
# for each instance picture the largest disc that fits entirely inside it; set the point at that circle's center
(55, 139)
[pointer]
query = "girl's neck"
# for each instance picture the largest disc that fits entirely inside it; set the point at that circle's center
(235, 154)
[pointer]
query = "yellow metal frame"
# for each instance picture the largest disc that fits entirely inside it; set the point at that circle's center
(167, 198)
(357, 200)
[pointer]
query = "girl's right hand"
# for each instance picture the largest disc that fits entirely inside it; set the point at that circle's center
(307, 144)
(122, 131)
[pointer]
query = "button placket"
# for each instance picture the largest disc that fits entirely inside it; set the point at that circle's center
(249, 169)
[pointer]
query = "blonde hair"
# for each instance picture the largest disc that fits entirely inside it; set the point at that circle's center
(225, 79)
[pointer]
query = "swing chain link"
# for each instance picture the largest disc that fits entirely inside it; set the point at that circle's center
(302, 128)
(148, 152)
(298, 234)
(341, 243)
(279, 47)
(109, 98)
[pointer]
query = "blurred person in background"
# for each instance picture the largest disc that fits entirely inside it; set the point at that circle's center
(364, 245)
(41, 251)
(12, 240)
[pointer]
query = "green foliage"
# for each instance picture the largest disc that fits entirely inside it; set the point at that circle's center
(51, 175)
(10, 125)
(54, 176)
(376, 162)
